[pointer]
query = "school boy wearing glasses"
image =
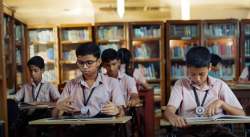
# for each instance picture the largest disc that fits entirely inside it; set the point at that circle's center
(85, 93)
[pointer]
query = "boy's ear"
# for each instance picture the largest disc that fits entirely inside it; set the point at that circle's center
(43, 70)
(99, 62)
(210, 66)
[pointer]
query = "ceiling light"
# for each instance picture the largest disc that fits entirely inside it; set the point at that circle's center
(185, 9)
(120, 8)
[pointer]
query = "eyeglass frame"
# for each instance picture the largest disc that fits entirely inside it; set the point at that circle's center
(85, 62)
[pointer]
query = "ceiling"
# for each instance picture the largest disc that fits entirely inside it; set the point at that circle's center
(63, 8)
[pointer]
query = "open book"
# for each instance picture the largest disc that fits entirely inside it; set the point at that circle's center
(218, 118)
(82, 117)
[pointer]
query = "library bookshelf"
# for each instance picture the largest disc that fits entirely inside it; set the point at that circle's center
(20, 44)
(70, 37)
(111, 35)
(146, 40)
(43, 41)
(244, 44)
(221, 37)
(180, 37)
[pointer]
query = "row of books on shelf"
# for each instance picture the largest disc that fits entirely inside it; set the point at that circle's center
(247, 29)
(141, 52)
(46, 53)
(18, 56)
(184, 30)
(247, 64)
(148, 72)
(41, 35)
(49, 75)
(71, 74)
(226, 71)
(110, 33)
(115, 46)
(18, 33)
(178, 71)
(157, 88)
(221, 30)
(179, 51)
(147, 32)
(6, 30)
(247, 47)
(224, 50)
(69, 56)
(75, 34)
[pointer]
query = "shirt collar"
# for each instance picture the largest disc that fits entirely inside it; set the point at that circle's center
(98, 81)
(33, 83)
(206, 87)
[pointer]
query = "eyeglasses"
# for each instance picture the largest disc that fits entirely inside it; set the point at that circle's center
(88, 63)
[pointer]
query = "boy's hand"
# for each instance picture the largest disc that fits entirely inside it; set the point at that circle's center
(66, 106)
(178, 121)
(130, 103)
(212, 108)
(109, 109)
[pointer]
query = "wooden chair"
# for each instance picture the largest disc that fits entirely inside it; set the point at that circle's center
(61, 87)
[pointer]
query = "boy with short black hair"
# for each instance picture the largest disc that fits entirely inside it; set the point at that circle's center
(111, 63)
(85, 93)
(216, 63)
(215, 94)
(39, 91)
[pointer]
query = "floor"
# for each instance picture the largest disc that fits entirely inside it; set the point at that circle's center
(238, 130)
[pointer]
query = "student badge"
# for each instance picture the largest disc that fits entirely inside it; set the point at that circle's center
(84, 110)
(43, 99)
(101, 105)
(199, 110)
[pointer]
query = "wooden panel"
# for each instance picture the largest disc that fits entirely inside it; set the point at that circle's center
(17, 17)
(3, 95)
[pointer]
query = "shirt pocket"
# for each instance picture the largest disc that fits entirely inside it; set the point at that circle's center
(43, 96)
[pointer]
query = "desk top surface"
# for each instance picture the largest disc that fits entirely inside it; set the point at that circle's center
(164, 122)
(37, 107)
(117, 120)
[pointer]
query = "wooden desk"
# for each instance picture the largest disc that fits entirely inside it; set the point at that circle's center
(138, 105)
(241, 92)
(148, 96)
(117, 120)
(37, 107)
(10, 96)
(164, 122)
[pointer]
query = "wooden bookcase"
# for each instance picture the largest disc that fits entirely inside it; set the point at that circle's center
(8, 49)
(6, 81)
(222, 37)
(147, 50)
(70, 37)
(180, 37)
(20, 44)
(244, 44)
(43, 41)
(111, 35)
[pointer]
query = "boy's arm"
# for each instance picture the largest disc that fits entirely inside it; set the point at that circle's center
(146, 85)
(174, 119)
(19, 95)
(133, 101)
(212, 109)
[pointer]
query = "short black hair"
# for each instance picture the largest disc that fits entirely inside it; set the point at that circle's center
(198, 57)
(215, 59)
(88, 48)
(124, 55)
(37, 61)
(109, 55)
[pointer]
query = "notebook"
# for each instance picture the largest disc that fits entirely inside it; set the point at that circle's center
(218, 118)
(82, 117)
